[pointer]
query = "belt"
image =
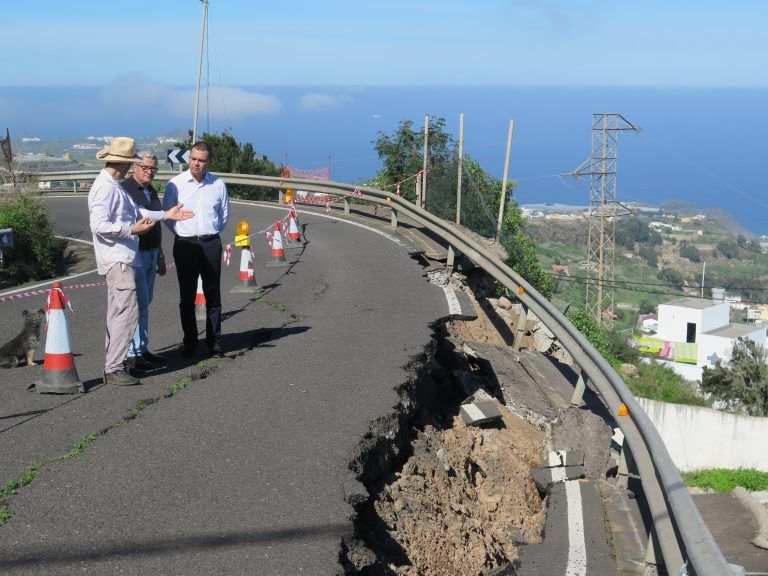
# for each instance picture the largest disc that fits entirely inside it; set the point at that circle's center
(203, 238)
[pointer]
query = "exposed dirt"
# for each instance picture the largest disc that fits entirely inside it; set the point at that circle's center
(465, 498)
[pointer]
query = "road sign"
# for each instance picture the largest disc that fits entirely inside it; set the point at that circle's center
(6, 238)
(178, 156)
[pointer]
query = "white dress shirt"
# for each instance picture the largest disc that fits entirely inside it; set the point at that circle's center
(112, 215)
(207, 199)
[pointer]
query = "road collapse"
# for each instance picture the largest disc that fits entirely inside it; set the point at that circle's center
(439, 496)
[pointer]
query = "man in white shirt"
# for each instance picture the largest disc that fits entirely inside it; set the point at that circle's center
(197, 246)
(115, 222)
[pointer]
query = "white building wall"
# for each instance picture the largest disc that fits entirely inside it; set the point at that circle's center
(714, 317)
(673, 322)
(722, 346)
(705, 438)
(691, 372)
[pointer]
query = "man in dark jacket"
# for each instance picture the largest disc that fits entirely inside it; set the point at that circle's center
(150, 261)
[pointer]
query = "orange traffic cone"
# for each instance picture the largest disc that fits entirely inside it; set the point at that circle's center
(200, 313)
(278, 254)
(294, 237)
(246, 277)
(60, 376)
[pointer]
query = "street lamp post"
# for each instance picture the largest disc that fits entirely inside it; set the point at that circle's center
(199, 71)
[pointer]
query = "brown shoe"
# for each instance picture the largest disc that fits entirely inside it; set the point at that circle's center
(120, 378)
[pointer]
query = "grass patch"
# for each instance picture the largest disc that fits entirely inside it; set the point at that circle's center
(276, 305)
(724, 480)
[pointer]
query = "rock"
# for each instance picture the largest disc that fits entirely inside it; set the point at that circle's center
(628, 370)
(494, 302)
(542, 341)
(505, 303)
(586, 432)
(505, 315)
(562, 355)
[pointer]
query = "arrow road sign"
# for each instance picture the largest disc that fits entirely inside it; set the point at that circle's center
(178, 156)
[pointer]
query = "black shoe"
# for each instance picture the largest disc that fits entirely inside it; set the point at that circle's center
(120, 378)
(187, 352)
(139, 363)
(153, 358)
(215, 350)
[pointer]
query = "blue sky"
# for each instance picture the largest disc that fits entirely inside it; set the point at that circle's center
(397, 42)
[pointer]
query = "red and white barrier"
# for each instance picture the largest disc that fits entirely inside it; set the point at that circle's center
(60, 375)
(200, 313)
(278, 253)
(246, 277)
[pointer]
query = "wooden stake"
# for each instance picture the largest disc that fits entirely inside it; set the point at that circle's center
(461, 159)
(504, 180)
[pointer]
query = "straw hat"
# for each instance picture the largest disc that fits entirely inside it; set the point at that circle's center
(120, 149)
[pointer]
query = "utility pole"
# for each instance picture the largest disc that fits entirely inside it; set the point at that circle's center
(504, 179)
(199, 71)
(424, 163)
(603, 211)
(461, 158)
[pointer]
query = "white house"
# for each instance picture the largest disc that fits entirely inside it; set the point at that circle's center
(694, 333)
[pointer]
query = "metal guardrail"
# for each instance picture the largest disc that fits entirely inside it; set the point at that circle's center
(682, 536)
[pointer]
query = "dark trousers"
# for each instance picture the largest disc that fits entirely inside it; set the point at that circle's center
(195, 258)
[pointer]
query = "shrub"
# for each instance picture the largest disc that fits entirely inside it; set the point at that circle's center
(36, 251)
(659, 382)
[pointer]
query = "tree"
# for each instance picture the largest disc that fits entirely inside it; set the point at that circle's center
(633, 230)
(742, 385)
(648, 253)
(672, 277)
(727, 248)
(691, 252)
(402, 152)
(231, 156)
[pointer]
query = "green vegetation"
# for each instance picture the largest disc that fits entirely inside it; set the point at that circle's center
(722, 480)
(231, 156)
(36, 251)
(654, 381)
(742, 385)
(402, 156)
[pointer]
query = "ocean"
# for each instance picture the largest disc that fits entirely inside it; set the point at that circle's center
(700, 145)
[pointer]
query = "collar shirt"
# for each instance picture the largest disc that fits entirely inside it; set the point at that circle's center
(112, 215)
(207, 199)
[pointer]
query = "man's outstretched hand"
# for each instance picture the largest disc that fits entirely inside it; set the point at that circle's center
(176, 213)
(142, 226)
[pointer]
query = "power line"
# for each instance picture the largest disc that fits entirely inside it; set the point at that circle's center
(582, 280)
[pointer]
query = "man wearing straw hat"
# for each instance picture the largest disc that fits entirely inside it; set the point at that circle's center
(116, 221)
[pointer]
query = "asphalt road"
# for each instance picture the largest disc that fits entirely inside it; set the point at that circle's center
(242, 472)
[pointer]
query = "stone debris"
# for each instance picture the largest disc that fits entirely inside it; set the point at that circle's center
(479, 409)
(465, 499)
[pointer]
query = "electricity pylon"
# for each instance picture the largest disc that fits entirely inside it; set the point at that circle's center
(603, 211)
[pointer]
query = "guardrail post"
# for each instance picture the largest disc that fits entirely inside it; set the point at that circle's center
(74, 186)
(522, 318)
(651, 549)
(451, 259)
(346, 205)
(393, 220)
(625, 459)
(578, 391)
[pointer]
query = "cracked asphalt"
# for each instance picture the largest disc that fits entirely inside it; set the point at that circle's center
(242, 472)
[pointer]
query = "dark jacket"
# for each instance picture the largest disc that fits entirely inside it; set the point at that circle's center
(154, 236)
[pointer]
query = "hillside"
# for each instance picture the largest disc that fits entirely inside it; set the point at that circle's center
(656, 260)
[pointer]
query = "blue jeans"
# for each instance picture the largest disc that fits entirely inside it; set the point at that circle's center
(146, 269)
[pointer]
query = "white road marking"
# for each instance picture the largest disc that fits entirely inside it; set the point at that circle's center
(454, 308)
(577, 549)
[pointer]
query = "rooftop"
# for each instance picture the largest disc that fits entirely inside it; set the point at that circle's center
(696, 303)
(733, 330)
